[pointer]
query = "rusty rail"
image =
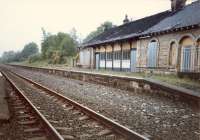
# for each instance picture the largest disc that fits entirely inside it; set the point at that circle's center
(50, 130)
(115, 127)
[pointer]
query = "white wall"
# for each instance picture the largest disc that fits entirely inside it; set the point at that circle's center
(116, 64)
(86, 57)
(126, 64)
(102, 63)
(109, 64)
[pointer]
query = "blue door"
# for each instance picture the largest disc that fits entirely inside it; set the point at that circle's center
(97, 61)
(133, 59)
(186, 60)
(152, 55)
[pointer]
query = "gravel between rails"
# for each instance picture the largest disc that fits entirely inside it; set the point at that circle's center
(66, 118)
(156, 117)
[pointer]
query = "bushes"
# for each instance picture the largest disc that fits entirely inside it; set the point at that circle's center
(34, 58)
(55, 48)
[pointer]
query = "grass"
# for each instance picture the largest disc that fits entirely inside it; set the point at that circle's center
(170, 79)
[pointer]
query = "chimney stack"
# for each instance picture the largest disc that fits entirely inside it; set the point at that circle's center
(177, 4)
(126, 20)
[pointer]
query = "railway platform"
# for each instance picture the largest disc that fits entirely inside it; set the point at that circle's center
(4, 112)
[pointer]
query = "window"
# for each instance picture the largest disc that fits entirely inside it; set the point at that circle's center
(187, 54)
(102, 56)
(173, 54)
(109, 56)
(117, 55)
(126, 55)
(152, 53)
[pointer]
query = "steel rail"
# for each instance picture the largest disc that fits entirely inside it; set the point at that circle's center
(50, 130)
(114, 126)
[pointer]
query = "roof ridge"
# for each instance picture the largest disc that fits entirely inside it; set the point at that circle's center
(152, 23)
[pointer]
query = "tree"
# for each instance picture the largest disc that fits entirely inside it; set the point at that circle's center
(8, 57)
(103, 27)
(56, 48)
(29, 49)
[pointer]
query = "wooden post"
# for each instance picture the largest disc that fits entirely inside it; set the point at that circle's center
(112, 56)
(121, 57)
(94, 60)
(105, 58)
(130, 53)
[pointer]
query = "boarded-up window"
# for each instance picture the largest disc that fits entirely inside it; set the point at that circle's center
(173, 54)
(152, 53)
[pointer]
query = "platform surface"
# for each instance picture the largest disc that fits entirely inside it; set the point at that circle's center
(4, 112)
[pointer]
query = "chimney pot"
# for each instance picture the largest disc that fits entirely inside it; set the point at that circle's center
(177, 4)
(126, 20)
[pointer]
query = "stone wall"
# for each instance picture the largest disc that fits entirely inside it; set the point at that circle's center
(164, 42)
(164, 46)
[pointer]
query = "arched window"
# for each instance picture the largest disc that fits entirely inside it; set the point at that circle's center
(187, 54)
(173, 54)
(152, 54)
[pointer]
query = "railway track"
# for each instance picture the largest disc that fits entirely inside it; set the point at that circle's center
(35, 126)
(70, 120)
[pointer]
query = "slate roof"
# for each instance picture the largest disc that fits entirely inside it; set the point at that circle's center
(189, 15)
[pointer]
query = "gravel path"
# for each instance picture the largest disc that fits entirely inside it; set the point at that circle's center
(65, 119)
(151, 115)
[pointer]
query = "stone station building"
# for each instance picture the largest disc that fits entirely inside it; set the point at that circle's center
(165, 42)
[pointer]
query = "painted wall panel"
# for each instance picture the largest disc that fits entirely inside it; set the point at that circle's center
(102, 64)
(85, 57)
(108, 64)
(116, 64)
(125, 63)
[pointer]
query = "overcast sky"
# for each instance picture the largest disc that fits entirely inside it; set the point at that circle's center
(21, 20)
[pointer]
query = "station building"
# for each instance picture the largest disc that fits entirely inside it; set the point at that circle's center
(165, 42)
